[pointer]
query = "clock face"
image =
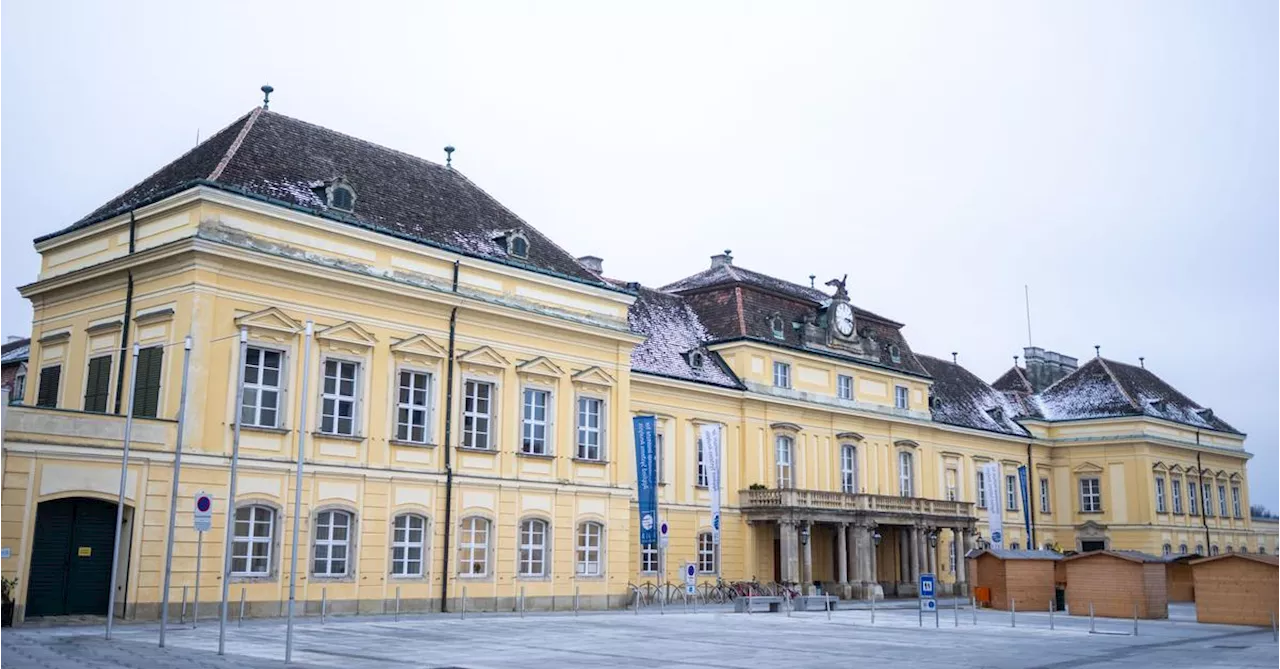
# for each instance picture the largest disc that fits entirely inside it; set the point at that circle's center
(844, 319)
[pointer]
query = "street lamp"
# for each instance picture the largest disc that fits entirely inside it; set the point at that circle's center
(875, 536)
(804, 535)
(933, 538)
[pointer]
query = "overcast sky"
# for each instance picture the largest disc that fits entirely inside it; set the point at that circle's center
(1120, 158)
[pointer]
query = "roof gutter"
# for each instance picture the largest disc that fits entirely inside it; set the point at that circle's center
(128, 309)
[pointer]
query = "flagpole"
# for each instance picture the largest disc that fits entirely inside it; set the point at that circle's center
(124, 476)
(173, 495)
(297, 493)
(231, 494)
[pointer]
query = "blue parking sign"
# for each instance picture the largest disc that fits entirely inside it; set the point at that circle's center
(926, 585)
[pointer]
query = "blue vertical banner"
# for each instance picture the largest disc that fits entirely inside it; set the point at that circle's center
(646, 478)
(1026, 507)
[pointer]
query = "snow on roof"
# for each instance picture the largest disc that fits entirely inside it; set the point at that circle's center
(673, 333)
(1008, 554)
(959, 397)
(15, 351)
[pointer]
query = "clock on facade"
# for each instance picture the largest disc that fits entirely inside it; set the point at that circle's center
(844, 319)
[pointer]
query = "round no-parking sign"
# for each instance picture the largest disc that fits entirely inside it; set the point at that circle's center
(204, 511)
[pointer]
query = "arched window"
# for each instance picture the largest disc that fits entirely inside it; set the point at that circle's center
(1182, 549)
(533, 547)
(342, 197)
(519, 246)
(1230, 549)
(473, 547)
(1262, 548)
(1199, 549)
(895, 354)
(331, 544)
(254, 536)
(408, 545)
(849, 468)
(1167, 549)
(1213, 550)
(905, 478)
(590, 539)
(706, 553)
(784, 446)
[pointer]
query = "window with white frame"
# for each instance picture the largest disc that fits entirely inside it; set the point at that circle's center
(1208, 499)
(849, 468)
(1192, 508)
(473, 547)
(534, 421)
(1235, 501)
(702, 464)
(590, 417)
(1160, 507)
(1175, 492)
(260, 401)
(649, 558)
(477, 414)
(19, 385)
(952, 557)
(900, 399)
(408, 545)
(1199, 549)
(1167, 549)
(660, 455)
(533, 548)
(1011, 492)
(1044, 495)
(338, 400)
(952, 481)
(905, 478)
(706, 553)
(783, 445)
(252, 541)
(1090, 495)
(1222, 500)
(981, 487)
(590, 539)
(1182, 549)
(1213, 550)
(844, 387)
(413, 406)
(781, 375)
(331, 544)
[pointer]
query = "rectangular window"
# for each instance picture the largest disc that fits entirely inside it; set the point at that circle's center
(331, 543)
(338, 399)
(251, 545)
(1191, 498)
(477, 417)
(660, 456)
(953, 558)
(702, 466)
(844, 387)
(146, 398)
(533, 429)
(953, 484)
(781, 375)
(1175, 487)
(473, 547)
(1011, 492)
(1222, 501)
(590, 413)
(19, 387)
(47, 392)
(533, 548)
(1044, 495)
(1160, 508)
(590, 537)
(982, 487)
(1090, 495)
(849, 469)
(706, 554)
(900, 397)
(1235, 501)
(260, 402)
(408, 545)
(413, 406)
(649, 559)
(98, 387)
(1208, 499)
(783, 453)
(906, 480)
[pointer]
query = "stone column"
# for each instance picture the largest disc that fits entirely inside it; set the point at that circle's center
(914, 544)
(904, 553)
(962, 568)
(789, 551)
(842, 550)
(855, 552)
(807, 572)
(872, 562)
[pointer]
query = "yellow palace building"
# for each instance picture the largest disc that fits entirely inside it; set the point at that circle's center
(462, 389)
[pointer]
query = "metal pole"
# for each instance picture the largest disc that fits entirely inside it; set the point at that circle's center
(324, 604)
(464, 604)
(240, 619)
(973, 608)
(173, 495)
(828, 602)
(873, 606)
(231, 497)
(397, 603)
(1135, 619)
(919, 615)
(575, 601)
(936, 615)
(1052, 605)
(297, 496)
(182, 617)
(195, 612)
(124, 475)
(1091, 617)
(522, 601)
(1273, 627)
(1013, 612)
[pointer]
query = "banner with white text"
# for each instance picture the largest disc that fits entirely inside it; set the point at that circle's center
(995, 510)
(646, 478)
(710, 435)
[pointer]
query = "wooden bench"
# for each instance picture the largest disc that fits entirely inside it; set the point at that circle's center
(748, 604)
(816, 602)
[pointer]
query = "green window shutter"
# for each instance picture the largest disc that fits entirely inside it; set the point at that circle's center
(146, 399)
(47, 393)
(99, 385)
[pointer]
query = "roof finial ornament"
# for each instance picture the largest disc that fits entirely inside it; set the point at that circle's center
(448, 156)
(1097, 351)
(955, 358)
(267, 90)
(1142, 362)
(811, 278)
(838, 284)
(1015, 361)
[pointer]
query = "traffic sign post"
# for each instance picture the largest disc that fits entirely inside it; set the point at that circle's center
(203, 520)
(928, 604)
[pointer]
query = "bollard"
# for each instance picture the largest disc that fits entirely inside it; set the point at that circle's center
(787, 599)
(182, 617)
(1273, 627)
(955, 602)
(936, 614)
(397, 603)
(1052, 606)
(1013, 612)
(1091, 617)
(522, 601)
(1135, 619)
(463, 611)
(873, 607)
(828, 601)
(973, 607)
(240, 620)
(749, 607)
(324, 604)
(575, 601)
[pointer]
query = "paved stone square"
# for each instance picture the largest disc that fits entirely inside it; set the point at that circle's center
(707, 638)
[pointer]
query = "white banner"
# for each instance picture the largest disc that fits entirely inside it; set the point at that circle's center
(710, 435)
(995, 507)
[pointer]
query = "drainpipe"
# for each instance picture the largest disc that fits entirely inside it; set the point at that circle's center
(1205, 500)
(128, 309)
(448, 450)
(1032, 481)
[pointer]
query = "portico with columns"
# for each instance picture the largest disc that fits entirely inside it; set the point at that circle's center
(849, 543)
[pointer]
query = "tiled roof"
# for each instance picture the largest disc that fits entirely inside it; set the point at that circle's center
(1104, 388)
(1014, 380)
(965, 400)
(1132, 556)
(285, 161)
(1264, 559)
(1006, 554)
(15, 351)
(727, 275)
(672, 331)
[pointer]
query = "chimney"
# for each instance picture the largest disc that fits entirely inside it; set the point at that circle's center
(1044, 368)
(723, 259)
(592, 263)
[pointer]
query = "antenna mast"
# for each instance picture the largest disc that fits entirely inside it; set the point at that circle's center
(1026, 291)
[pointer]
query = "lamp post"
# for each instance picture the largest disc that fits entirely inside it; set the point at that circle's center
(933, 538)
(876, 537)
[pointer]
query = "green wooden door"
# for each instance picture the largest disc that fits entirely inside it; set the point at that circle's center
(71, 558)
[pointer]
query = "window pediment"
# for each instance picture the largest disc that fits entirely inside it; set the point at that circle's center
(906, 443)
(271, 324)
(785, 427)
(420, 346)
(594, 376)
(484, 356)
(348, 336)
(1159, 466)
(540, 366)
(849, 436)
(1087, 468)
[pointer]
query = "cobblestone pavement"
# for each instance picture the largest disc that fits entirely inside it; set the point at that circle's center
(709, 638)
